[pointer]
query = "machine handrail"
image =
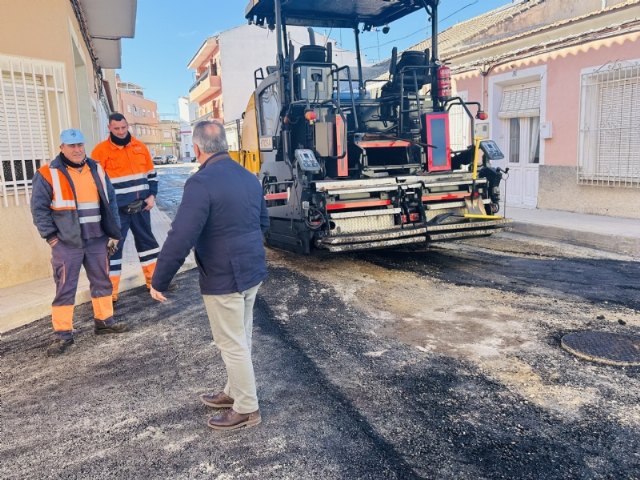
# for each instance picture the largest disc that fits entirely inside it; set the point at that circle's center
(413, 69)
(255, 76)
(334, 69)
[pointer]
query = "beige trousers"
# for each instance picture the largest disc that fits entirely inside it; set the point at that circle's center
(231, 320)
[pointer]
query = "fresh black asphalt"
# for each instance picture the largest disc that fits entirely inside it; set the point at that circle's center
(338, 401)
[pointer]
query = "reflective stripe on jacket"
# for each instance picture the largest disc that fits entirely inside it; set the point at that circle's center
(64, 195)
(130, 169)
(88, 200)
(54, 204)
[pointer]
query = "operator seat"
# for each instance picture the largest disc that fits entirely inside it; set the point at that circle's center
(312, 54)
(406, 77)
(412, 70)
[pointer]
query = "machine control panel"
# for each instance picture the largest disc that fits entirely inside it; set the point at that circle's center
(315, 83)
(307, 160)
(491, 150)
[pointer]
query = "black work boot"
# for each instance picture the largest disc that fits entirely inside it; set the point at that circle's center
(59, 346)
(113, 328)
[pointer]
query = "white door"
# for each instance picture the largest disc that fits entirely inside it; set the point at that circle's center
(523, 159)
(520, 114)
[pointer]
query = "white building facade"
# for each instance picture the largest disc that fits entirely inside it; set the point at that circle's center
(187, 112)
(225, 66)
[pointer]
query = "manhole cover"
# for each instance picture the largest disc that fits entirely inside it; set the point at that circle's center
(603, 347)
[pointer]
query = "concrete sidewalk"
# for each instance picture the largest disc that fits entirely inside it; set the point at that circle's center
(24, 303)
(610, 234)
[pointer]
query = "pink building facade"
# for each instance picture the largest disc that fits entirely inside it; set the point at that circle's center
(563, 101)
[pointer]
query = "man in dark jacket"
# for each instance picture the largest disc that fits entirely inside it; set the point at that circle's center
(224, 215)
(74, 209)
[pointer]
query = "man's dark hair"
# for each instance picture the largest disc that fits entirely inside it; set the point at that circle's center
(116, 117)
(210, 136)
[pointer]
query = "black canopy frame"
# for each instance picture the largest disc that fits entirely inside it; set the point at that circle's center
(278, 14)
(334, 13)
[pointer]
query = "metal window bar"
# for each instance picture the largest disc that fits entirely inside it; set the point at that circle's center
(609, 150)
(57, 89)
(43, 139)
(25, 182)
(5, 200)
(11, 162)
(48, 104)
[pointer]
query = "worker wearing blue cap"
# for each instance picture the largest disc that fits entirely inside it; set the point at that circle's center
(74, 209)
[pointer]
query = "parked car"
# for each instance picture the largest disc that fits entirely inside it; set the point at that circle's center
(159, 160)
(171, 159)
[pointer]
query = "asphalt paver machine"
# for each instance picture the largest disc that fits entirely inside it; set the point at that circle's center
(344, 169)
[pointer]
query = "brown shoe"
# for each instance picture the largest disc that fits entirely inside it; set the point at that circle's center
(231, 420)
(217, 400)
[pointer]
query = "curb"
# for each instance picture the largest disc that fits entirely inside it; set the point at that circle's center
(24, 314)
(609, 243)
(31, 301)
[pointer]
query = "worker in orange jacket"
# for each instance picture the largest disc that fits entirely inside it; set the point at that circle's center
(73, 207)
(128, 164)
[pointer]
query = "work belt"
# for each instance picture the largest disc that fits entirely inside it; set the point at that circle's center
(134, 207)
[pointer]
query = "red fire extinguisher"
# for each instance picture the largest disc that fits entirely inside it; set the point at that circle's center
(443, 77)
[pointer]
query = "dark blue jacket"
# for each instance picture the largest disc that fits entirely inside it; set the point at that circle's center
(224, 215)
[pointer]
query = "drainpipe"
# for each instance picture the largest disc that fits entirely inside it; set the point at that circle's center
(485, 95)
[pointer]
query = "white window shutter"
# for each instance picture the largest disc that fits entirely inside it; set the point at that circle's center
(521, 101)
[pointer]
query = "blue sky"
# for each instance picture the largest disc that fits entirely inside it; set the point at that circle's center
(169, 33)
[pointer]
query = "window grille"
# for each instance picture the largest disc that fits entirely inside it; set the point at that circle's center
(459, 126)
(32, 112)
(609, 145)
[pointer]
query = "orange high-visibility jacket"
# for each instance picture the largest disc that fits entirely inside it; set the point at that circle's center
(54, 203)
(130, 169)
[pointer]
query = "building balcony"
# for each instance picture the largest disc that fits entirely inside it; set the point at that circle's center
(206, 86)
(208, 116)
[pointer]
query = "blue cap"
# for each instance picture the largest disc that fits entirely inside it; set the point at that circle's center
(71, 136)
